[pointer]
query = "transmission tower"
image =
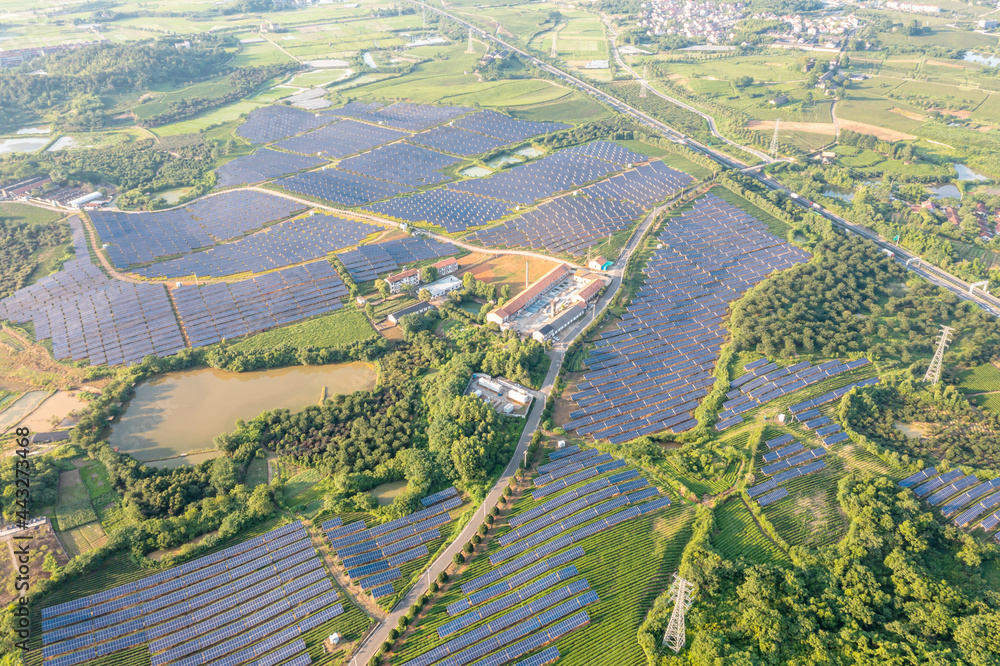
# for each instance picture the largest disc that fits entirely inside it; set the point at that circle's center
(424, 13)
(643, 83)
(934, 370)
(682, 593)
(470, 49)
(553, 53)
(774, 138)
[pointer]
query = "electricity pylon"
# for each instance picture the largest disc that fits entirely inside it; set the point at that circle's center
(643, 83)
(933, 374)
(553, 53)
(682, 593)
(774, 138)
(470, 49)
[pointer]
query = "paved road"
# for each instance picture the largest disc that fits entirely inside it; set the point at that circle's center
(368, 649)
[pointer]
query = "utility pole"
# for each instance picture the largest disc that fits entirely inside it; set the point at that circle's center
(681, 591)
(774, 139)
(934, 369)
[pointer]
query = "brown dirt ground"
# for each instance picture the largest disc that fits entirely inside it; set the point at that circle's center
(828, 129)
(908, 114)
(504, 269)
(43, 541)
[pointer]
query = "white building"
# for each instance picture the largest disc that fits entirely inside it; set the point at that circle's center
(445, 285)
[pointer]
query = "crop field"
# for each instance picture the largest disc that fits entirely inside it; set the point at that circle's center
(737, 535)
(811, 515)
(581, 38)
(206, 120)
(208, 89)
(343, 327)
(83, 538)
(627, 566)
(258, 54)
(73, 507)
(23, 213)
(985, 377)
(990, 401)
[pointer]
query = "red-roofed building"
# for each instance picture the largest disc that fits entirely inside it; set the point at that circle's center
(396, 282)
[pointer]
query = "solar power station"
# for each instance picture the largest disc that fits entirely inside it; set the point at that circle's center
(262, 165)
(137, 238)
(372, 556)
(89, 316)
(650, 374)
(248, 604)
(787, 458)
(572, 223)
(535, 593)
(969, 502)
(273, 123)
(369, 261)
(213, 312)
(764, 381)
(282, 244)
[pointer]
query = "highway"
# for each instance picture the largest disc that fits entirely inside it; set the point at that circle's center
(911, 261)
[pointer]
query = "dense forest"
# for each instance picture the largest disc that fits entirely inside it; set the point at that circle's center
(103, 69)
(44, 485)
(898, 589)
(852, 298)
(954, 431)
(20, 245)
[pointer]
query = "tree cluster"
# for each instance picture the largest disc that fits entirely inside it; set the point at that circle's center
(20, 246)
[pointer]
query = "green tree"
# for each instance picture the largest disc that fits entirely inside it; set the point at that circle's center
(428, 274)
(383, 288)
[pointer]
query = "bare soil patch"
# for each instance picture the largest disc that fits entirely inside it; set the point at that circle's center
(42, 543)
(908, 114)
(956, 113)
(814, 128)
(829, 129)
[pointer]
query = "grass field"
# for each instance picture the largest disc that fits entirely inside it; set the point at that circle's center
(205, 120)
(737, 535)
(341, 328)
(73, 507)
(23, 213)
(985, 377)
(627, 566)
(256, 473)
(990, 402)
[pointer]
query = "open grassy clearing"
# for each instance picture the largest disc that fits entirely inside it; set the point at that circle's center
(346, 326)
(627, 566)
(256, 473)
(84, 538)
(73, 507)
(737, 535)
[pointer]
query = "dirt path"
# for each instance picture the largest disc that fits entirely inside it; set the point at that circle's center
(95, 243)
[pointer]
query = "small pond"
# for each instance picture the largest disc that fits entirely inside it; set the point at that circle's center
(175, 415)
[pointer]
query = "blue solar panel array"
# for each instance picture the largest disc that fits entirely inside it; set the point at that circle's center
(341, 187)
(835, 394)
(271, 123)
(439, 496)
(609, 152)
(764, 383)
(542, 178)
(568, 481)
(341, 139)
(413, 117)
(214, 312)
(206, 608)
(280, 245)
(650, 373)
(372, 556)
(977, 500)
(773, 496)
(546, 656)
(506, 129)
(568, 224)
(454, 211)
(135, 238)
(88, 316)
(401, 163)
(369, 261)
(537, 607)
(262, 165)
(456, 141)
(541, 509)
